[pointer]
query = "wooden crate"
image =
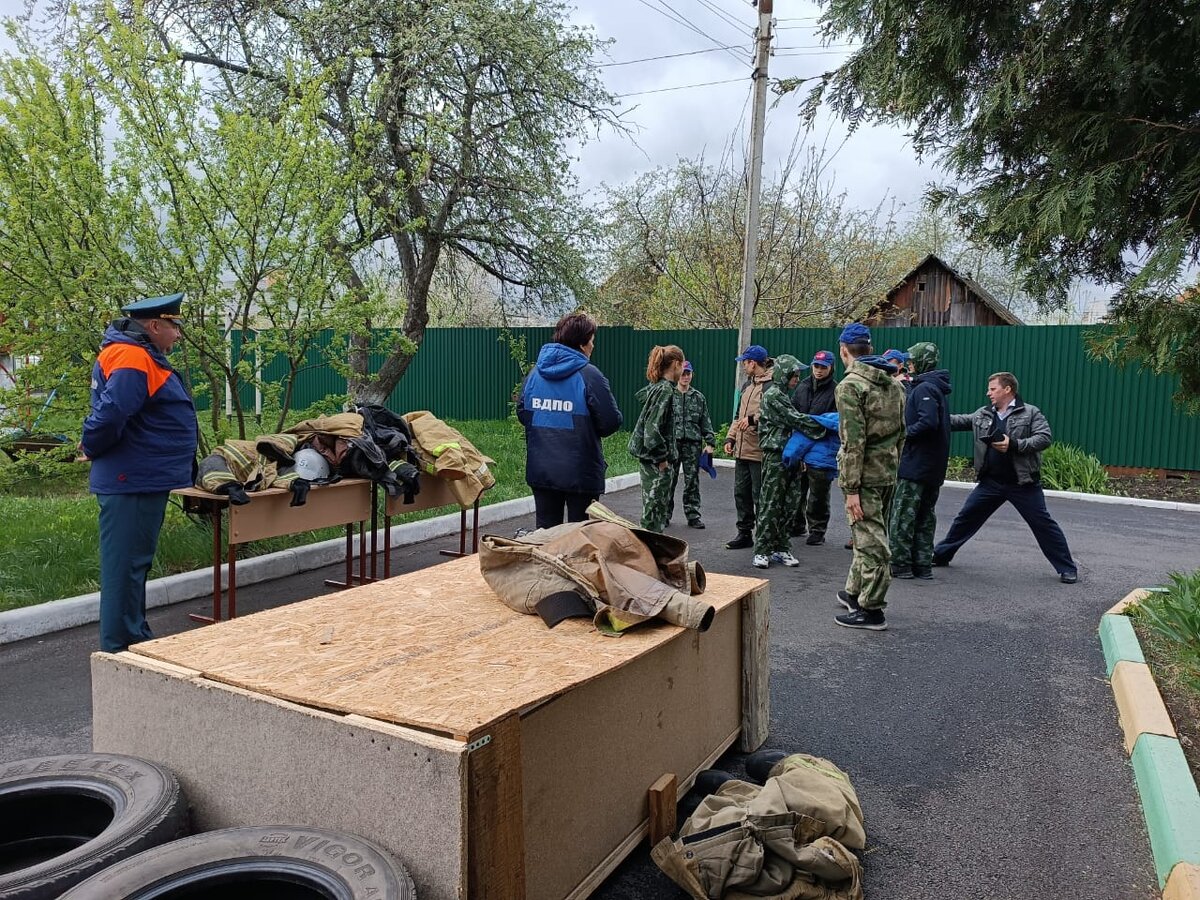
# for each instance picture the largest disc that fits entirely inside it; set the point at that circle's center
(494, 756)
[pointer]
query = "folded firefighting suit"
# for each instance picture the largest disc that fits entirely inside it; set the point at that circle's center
(605, 568)
(789, 839)
(444, 453)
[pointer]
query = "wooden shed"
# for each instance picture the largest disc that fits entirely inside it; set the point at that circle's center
(934, 293)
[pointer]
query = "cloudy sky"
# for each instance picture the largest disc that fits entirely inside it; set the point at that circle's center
(669, 124)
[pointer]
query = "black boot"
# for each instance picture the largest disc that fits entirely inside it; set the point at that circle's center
(709, 781)
(741, 542)
(760, 763)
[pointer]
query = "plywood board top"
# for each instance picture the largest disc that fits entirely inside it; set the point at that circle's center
(434, 649)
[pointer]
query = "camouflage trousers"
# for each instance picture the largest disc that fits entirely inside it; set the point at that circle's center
(777, 501)
(812, 510)
(913, 522)
(657, 487)
(870, 570)
(689, 463)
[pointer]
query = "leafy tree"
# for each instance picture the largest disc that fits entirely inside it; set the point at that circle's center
(236, 209)
(1071, 133)
(674, 238)
(452, 122)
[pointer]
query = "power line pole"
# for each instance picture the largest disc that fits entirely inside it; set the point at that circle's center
(758, 124)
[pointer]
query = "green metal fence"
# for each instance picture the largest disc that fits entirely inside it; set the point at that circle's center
(1125, 417)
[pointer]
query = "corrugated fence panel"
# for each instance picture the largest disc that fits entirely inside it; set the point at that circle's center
(1125, 417)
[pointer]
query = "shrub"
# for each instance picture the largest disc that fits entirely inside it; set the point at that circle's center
(1175, 614)
(1067, 468)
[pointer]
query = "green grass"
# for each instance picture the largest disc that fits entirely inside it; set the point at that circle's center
(48, 530)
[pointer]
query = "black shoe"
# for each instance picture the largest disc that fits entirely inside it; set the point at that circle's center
(870, 619)
(816, 539)
(799, 532)
(902, 572)
(918, 572)
(698, 523)
(940, 560)
(760, 763)
(741, 542)
(1069, 577)
(709, 781)
(850, 601)
(849, 545)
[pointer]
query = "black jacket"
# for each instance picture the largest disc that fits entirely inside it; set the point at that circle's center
(927, 429)
(815, 397)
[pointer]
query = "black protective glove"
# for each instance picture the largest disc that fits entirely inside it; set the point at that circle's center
(410, 477)
(235, 492)
(300, 489)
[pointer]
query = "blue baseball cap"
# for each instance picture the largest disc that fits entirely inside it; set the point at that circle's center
(896, 356)
(855, 333)
(823, 358)
(687, 365)
(167, 307)
(754, 352)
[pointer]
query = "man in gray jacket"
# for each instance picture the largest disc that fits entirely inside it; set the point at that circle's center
(1010, 436)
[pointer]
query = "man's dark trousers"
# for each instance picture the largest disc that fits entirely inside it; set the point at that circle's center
(989, 495)
(747, 482)
(129, 527)
(812, 512)
(548, 506)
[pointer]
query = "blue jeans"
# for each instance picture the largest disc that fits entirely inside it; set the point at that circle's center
(129, 527)
(1029, 501)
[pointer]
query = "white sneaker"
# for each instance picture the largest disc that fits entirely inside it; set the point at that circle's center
(786, 558)
(761, 560)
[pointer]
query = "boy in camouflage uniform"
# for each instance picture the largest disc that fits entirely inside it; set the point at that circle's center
(780, 491)
(697, 437)
(871, 425)
(922, 465)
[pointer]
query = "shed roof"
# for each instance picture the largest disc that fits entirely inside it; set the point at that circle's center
(973, 287)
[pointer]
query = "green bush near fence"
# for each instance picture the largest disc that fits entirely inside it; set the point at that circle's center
(49, 539)
(1067, 468)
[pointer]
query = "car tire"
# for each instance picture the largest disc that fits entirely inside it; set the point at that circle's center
(64, 818)
(254, 862)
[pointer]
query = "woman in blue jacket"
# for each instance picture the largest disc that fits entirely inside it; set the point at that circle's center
(566, 406)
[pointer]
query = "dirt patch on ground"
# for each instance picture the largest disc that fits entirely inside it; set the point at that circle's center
(1179, 693)
(1184, 489)
(1180, 490)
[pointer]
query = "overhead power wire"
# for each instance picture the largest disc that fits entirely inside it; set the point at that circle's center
(664, 9)
(725, 17)
(630, 62)
(681, 87)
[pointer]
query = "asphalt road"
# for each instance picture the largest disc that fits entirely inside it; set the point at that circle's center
(979, 730)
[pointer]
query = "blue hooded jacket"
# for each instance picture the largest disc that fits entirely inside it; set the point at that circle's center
(141, 431)
(566, 406)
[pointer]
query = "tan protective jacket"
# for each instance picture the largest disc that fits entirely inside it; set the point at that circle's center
(445, 453)
(745, 443)
(785, 840)
(625, 575)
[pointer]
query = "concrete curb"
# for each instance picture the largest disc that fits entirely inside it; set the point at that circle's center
(57, 615)
(1170, 800)
(1102, 498)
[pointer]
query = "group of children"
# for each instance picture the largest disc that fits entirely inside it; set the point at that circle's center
(674, 433)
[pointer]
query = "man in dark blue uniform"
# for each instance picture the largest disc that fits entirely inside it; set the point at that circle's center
(141, 439)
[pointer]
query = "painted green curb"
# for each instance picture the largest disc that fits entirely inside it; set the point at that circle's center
(1119, 641)
(1170, 802)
